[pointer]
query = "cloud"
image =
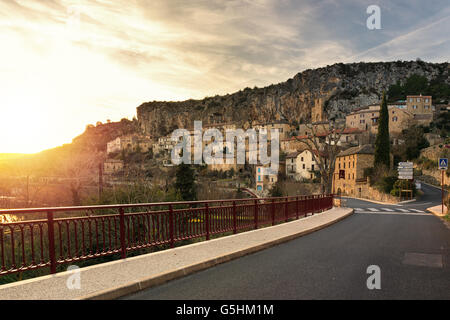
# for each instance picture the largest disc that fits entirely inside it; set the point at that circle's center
(102, 58)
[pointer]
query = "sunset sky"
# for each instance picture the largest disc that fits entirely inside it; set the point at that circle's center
(65, 64)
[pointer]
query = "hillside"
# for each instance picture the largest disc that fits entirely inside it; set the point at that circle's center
(336, 90)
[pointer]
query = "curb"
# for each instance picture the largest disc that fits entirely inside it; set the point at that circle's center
(436, 213)
(145, 283)
(407, 201)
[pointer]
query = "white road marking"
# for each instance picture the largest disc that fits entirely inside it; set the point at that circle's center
(373, 209)
(403, 210)
(387, 209)
(394, 213)
(415, 210)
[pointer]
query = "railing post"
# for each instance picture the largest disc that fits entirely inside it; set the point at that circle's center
(51, 242)
(171, 226)
(207, 220)
(273, 212)
(256, 214)
(286, 209)
(313, 205)
(234, 218)
(123, 247)
(296, 207)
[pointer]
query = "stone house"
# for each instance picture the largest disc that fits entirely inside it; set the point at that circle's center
(111, 166)
(129, 143)
(419, 104)
(367, 119)
(301, 165)
(283, 127)
(348, 176)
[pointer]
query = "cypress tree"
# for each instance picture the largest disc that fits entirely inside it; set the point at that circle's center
(382, 144)
(185, 182)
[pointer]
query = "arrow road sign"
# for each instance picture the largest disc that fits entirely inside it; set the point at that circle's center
(405, 164)
(443, 163)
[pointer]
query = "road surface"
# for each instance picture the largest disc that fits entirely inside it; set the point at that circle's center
(410, 246)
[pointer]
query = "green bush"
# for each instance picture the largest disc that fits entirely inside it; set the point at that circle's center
(386, 184)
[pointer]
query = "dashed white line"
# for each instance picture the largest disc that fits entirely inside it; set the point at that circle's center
(387, 209)
(373, 209)
(415, 210)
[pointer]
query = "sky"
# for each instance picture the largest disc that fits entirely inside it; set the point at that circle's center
(68, 63)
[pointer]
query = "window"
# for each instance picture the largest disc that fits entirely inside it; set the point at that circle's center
(344, 165)
(410, 99)
(302, 159)
(427, 107)
(414, 107)
(259, 178)
(304, 166)
(426, 99)
(394, 119)
(418, 100)
(312, 167)
(259, 170)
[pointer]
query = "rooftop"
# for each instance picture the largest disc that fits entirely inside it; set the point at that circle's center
(365, 149)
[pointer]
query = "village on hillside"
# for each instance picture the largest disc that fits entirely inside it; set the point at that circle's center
(304, 149)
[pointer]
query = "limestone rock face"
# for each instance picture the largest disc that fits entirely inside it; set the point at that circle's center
(332, 91)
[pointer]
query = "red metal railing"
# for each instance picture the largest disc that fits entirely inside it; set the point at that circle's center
(62, 235)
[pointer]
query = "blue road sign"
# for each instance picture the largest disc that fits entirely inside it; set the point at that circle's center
(443, 163)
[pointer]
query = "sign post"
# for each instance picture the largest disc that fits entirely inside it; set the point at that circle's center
(406, 172)
(443, 165)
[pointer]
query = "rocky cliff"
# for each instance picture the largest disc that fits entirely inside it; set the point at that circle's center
(332, 91)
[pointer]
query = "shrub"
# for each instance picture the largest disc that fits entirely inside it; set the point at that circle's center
(386, 184)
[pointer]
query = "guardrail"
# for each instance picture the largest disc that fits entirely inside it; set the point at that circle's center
(48, 237)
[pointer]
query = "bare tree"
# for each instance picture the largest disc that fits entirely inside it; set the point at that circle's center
(78, 168)
(324, 147)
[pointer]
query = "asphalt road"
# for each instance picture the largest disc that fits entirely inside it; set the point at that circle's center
(411, 248)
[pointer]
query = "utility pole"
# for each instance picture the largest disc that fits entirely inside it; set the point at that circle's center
(443, 166)
(442, 191)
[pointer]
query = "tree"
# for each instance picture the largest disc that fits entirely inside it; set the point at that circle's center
(415, 141)
(185, 182)
(276, 190)
(324, 147)
(382, 143)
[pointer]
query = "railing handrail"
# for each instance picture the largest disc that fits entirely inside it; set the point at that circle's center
(137, 205)
(52, 241)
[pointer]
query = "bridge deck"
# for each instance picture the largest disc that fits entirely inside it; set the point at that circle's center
(114, 279)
